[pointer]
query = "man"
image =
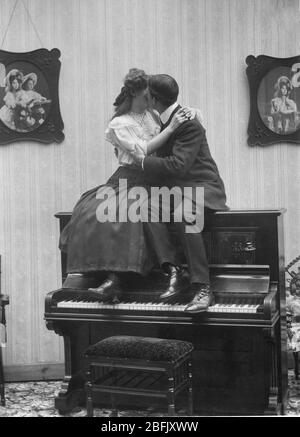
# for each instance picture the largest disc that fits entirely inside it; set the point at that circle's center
(183, 161)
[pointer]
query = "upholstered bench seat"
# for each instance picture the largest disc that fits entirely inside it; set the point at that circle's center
(159, 368)
(145, 348)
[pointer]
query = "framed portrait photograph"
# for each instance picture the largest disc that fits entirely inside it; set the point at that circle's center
(29, 102)
(274, 99)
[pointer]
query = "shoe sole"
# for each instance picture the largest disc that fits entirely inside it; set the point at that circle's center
(203, 310)
(170, 297)
(102, 297)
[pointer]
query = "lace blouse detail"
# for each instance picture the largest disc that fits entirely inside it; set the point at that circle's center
(131, 130)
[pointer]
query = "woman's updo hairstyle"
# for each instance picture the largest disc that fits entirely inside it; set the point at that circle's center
(135, 81)
(283, 80)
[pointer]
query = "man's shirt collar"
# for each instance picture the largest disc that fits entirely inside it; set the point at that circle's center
(164, 116)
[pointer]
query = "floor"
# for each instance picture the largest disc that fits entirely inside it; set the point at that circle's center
(35, 399)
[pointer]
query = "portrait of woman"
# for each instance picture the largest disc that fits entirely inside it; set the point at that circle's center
(28, 85)
(12, 98)
(283, 109)
(31, 112)
(25, 109)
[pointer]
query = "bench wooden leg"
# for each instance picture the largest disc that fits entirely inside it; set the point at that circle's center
(89, 396)
(2, 395)
(2, 389)
(114, 412)
(190, 388)
(171, 395)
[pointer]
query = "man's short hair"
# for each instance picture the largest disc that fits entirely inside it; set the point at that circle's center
(164, 88)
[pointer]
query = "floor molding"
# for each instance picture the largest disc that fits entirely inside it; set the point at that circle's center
(34, 372)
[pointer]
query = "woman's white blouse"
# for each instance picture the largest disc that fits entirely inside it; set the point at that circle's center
(130, 131)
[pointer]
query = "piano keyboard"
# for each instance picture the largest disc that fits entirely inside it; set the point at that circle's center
(150, 306)
(232, 308)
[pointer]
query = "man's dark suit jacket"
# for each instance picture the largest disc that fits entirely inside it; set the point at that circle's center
(185, 160)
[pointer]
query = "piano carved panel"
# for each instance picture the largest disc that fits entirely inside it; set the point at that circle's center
(231, 245)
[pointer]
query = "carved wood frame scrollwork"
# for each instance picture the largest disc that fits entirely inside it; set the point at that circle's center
(261, 129)
(48, 64)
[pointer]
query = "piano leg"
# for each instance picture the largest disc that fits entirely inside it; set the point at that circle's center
(68, 370)
(72, 393)
(74, 396)
(273, 404)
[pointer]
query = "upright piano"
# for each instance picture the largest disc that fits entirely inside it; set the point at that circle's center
(240, 358)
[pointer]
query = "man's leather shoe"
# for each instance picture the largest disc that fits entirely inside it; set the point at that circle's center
(175, 283)
(202, 300)
(109, 291)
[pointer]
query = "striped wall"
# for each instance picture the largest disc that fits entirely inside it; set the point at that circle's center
(203, 43)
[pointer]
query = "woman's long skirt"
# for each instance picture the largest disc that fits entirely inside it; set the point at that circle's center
(94, 246)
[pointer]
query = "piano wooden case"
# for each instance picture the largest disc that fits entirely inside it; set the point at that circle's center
(240, 360)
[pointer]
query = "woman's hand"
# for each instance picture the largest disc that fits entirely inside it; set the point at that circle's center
(179, 118)
(190, 113)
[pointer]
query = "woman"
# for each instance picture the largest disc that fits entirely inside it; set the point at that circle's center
(283, 109)
(28, 85)
(32, 114)
(12, 98)
(116, 247)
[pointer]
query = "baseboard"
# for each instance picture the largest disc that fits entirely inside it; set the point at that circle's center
(56, 371)
(34, 372)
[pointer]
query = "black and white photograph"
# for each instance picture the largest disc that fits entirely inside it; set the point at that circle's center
(274, 99)
(283, 116)
(29, 106)
(23, 108)
(149, 212)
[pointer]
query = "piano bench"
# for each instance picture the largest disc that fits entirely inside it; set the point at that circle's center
(139, 366)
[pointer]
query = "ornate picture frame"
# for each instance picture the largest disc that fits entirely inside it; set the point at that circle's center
(274, 100)
(29, 103)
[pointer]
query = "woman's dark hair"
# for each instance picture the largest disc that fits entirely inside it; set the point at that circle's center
(12, 78)
(287, 85)
(283, 81)
(135, 81)
(164, 88)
